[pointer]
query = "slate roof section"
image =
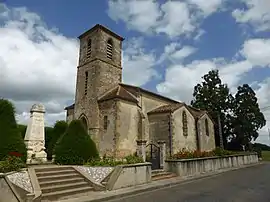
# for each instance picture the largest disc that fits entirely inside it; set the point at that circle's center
(135, 90)
(166, 108)
(120, 93)
(70, 107)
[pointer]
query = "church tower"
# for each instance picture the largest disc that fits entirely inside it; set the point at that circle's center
(99, 70)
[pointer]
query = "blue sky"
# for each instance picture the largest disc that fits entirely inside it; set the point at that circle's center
(169, 45)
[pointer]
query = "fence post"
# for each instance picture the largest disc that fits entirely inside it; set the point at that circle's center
(141, 149)
(162, 149)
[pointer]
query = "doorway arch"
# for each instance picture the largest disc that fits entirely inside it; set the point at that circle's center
(84, 122)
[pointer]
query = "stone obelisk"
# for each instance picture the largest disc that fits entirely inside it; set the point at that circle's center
(35, 136)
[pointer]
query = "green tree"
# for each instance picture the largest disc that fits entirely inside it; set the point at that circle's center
(10, 137)
(58, 130)
(75, 147)
(247, 118)
(214, 96)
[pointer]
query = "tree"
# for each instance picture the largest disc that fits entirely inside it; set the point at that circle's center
(214, 96)
(247, 118)
(10, 137)
(75, 147)
(59, 129)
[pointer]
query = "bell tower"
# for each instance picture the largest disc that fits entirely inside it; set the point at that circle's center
(98, 71)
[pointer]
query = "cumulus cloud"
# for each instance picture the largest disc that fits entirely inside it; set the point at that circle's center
(38, 64)
(257, 14)
(173, 18)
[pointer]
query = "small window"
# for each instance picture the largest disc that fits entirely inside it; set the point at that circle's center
(109, 49)
(89, 48)
(206, 127)
(185, 123)
(105, 122)
(85, 83)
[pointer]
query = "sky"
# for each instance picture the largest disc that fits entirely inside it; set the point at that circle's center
(168, 47)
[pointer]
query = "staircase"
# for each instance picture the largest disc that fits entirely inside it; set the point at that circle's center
(161, 175)
(60, 181)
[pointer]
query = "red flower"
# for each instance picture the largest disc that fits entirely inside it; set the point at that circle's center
(17, 154)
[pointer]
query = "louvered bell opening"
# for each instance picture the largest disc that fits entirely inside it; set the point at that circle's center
(109, 51)
(88, 53)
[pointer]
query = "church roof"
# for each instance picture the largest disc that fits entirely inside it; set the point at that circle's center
(105, 29)
(135, 90)
(166, 108)
(196, 113)
(118, 92)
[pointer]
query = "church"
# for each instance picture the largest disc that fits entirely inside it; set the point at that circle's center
(117, 115)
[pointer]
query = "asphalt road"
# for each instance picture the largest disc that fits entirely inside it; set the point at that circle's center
(243, 185)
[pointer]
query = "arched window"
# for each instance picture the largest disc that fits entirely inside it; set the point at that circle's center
(84, 122)
(206, 127)
(89, 48)
(185, 123)
(109, 49)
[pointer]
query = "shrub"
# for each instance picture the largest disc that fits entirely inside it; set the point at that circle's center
(75, 146)
(10, 137)
(59, 129)
(222, 152)
(185, 154)
(11, 163)
(110, 161)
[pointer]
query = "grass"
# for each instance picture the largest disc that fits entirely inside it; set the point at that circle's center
(266, 155)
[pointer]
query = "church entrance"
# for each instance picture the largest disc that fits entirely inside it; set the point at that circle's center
(154, 157)
(84, 122)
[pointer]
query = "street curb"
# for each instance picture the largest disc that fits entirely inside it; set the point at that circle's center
(182, 180)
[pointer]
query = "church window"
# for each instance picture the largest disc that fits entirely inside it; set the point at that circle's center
(185, 123)
(105, 122)
(109, 49)
(89, 48)
(85, 83)
(206, 127)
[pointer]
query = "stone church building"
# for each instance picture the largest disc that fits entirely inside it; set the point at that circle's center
(117, 115)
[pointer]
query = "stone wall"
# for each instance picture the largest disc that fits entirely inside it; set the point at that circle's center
(106, 138)
(129, 175)
(159, 128)
(207, 142)
(180, 141)
(191, 167)
(148, 103)
(127, 128)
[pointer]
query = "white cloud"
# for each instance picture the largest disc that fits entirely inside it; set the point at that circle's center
(173, 18)
(257, 51)
(139, 15)
(136, 61)
(257, 14)
(39, 65)
(36, 64)
(207, 7)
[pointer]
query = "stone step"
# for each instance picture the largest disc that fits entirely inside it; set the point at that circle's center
(52, 168)
(61, 181)
(54, 172)
(58, 177)
(158, 171)
(66, 186)
(162, 176)
(53, 196)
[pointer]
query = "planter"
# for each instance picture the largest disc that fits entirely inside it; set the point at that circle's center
(188, 167)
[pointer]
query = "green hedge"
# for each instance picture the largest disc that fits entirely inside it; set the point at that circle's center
(75, 147)
(10, 137)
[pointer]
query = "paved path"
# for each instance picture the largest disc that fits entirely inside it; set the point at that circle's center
(243, 185)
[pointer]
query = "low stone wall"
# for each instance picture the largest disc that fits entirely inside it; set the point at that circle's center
(128, 175)
(188, 167)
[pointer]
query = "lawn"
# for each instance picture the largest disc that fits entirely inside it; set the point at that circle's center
(266, 155)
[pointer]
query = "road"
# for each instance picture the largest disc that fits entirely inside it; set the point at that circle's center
(244, 185)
